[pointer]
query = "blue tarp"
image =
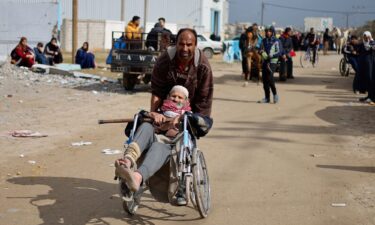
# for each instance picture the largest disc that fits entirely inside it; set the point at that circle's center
(119, 44)
(232, 51)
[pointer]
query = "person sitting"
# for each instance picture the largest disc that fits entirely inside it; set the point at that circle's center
(53, 53)
(160, 132)
(39, 55)
(23, 55)
(85, 58)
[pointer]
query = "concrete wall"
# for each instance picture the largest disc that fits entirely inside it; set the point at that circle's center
(33, 20)
(92, 31)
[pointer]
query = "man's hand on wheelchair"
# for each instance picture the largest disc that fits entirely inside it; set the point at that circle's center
(157, 117)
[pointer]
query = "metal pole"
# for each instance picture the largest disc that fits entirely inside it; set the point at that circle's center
(347, 20)
(74, 28)
(262, 14)
(122, 10)
(145, 15)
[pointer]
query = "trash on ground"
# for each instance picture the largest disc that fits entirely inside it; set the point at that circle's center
(95, 92)
(22, 156)
(27, 133)
(32, 162)
(316, 155)
(111, 151)
(81, 143)
(338, 204)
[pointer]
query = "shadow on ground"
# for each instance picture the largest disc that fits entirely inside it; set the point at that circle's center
(364, 169)
(84, 201)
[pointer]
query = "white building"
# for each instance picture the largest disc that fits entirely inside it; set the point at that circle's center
(35, 19)
(207, 16)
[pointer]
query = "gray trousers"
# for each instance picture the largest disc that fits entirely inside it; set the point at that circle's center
(156, 153)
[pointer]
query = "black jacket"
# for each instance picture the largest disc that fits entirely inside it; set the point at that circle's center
(287, 44)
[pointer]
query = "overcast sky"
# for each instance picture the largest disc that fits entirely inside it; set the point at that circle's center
(250, 11)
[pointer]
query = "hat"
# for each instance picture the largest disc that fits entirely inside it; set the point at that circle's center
(180, 89)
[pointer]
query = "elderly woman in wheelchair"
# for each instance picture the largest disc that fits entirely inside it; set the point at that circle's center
(164, 141)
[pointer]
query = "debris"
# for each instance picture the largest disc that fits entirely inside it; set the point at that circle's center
(18, 173)
(333, 68)
(20, 101)
(31, 162)
(338, 204)
(81, 143)
(245, 84)
(316, 155)
(9, 96)
(95, 92)
(22, 156)
(27, 133)
(111, 151)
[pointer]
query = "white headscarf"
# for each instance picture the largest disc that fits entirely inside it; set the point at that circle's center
(180, 88)
(369, 36)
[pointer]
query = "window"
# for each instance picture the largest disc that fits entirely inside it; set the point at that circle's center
(201, 38)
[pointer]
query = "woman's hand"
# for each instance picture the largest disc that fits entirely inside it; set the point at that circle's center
(157, 117)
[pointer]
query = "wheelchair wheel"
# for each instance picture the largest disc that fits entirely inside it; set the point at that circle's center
(188, 189)
(130, 201)
(344, 68)
(201, 184)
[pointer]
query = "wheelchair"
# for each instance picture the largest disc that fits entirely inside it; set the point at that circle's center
(186, 169)
(345, 66)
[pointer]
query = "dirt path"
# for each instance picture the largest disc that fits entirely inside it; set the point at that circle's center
(268, 164)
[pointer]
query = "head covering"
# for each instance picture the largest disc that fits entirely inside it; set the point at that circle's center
(369, 36)
(180, 88)
(272, 29)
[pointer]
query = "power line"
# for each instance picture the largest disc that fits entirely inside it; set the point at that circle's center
(318, 10)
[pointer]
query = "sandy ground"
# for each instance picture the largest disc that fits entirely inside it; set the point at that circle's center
(268, 164)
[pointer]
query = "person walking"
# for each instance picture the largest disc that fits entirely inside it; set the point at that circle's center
(326, 40)
(286, 60)
(271, 50)
(366, 67)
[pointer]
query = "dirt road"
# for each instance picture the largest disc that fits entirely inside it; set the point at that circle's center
(269, 164)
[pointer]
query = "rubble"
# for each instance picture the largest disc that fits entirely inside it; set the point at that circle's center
(52, 75)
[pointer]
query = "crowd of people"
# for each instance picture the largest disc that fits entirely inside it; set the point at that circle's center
(51, 54)
(361, 56)
(267, 54)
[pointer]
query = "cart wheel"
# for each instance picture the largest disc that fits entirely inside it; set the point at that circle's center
(129, 81)
(147, 78)
(201, 184)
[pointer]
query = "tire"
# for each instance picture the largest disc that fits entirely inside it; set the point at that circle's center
(129, 81)
(304, 60)
(201, 184)
(208, 52)
(188, 189)
(344, 68)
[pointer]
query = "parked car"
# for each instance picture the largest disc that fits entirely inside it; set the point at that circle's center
(208, 46)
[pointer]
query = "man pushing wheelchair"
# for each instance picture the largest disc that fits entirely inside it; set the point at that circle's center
(182, 90)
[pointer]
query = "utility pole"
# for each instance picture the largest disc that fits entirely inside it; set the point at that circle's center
(347, 20)
(262, 14)
(74, 28)
(122, 10)
(145, 15)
